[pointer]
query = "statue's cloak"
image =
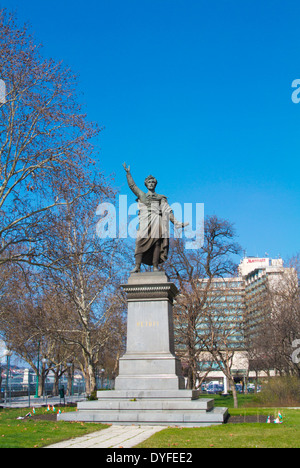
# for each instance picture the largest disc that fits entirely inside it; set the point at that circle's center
(154, 217)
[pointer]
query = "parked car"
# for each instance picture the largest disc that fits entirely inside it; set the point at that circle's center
(239, 388)
(215, 388)
(251, 388)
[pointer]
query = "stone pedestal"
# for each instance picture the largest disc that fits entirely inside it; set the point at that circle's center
(149, 362)
(150, 387)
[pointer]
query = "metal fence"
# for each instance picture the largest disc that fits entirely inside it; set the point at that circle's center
(13, 388)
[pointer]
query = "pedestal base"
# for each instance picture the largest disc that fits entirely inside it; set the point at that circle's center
(160, 371)
(157, 407)
(150, 385)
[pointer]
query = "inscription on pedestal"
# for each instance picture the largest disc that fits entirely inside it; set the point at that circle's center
(147, 324)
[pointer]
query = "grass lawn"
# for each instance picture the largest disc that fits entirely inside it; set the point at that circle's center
(227, 401)
(35, 433)
(252, 435)
(244, 435)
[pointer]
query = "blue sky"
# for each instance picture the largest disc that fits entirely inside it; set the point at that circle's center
(195, 92)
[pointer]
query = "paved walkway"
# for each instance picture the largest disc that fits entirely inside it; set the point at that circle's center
(113, 437)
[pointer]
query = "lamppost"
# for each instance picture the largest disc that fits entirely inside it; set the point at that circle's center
(102, 377)
(8, 356)
(38, 372)
(44, 361)
(71, 373)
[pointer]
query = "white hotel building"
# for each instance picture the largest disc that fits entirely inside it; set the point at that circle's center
(256, 276)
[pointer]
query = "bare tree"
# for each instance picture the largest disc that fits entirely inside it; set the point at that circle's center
(194, 272)
(73, 313)
(20, 316)
(84, 285)
(45, 143)
(222, 334)
(47, 178)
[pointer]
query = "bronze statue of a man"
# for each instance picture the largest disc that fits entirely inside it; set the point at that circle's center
(152, 242)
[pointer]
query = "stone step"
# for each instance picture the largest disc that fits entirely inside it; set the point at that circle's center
(175, 418)
(147, 405)
(149, 394)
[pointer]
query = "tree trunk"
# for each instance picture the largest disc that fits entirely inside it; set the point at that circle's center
(234, 394)
(190, 380)
(40, 386)
(92, 377)
(56, 384)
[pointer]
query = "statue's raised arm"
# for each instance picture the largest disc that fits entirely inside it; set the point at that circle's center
(132, 185)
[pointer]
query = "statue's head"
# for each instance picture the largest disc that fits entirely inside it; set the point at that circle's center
(150, 182)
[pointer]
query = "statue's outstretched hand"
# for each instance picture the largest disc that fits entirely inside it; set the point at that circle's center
(127, 169)
(181, 225)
